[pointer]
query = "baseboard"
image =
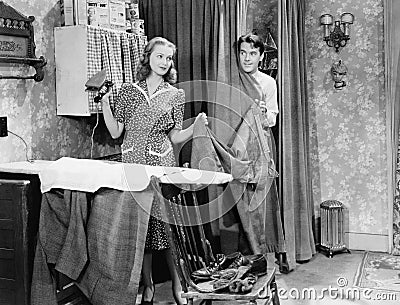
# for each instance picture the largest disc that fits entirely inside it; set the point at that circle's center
(368, 242)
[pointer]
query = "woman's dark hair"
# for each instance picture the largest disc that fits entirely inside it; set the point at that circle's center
(144, 70)
(252, 39)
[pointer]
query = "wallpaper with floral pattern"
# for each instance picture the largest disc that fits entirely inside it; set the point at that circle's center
(31, 106)
(348, 133)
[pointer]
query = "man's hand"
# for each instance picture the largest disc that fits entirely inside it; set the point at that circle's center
(262, 105)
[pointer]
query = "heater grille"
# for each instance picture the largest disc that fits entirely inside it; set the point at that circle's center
(332, 228)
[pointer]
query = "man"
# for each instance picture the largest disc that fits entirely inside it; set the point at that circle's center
(251, 52)
(246, 151)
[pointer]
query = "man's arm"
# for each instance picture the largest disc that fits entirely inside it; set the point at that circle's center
(269, 106)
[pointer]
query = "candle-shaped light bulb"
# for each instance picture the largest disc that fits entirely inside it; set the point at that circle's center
(326, 30)
(346, 28)
(326, 20)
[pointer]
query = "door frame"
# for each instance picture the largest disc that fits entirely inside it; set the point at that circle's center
(391, 49)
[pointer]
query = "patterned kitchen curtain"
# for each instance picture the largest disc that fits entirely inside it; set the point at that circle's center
(117, 52)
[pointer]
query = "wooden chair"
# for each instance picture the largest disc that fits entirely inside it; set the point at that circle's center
(192, 251)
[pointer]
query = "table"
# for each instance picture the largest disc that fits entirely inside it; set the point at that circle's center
(20, 199)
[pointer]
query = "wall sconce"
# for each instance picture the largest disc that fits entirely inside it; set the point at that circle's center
(338, 37)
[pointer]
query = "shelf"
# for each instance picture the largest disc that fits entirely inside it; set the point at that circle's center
(37, 63)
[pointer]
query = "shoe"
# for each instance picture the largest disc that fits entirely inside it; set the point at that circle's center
(143, 302)
(257, 264)
(222, 262)
(204, 274)
(240, 260)
(229, 259)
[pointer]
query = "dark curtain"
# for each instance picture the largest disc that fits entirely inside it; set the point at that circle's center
(192, 25)
(294, 162)
(231, 105)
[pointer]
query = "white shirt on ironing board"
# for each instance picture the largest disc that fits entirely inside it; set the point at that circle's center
(267, 87)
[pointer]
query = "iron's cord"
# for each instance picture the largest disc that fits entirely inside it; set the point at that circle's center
(94, 128)
(26, 146)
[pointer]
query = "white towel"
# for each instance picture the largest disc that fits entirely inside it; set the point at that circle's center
(89, 175)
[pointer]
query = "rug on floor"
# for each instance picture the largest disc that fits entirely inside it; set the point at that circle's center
(378, 271)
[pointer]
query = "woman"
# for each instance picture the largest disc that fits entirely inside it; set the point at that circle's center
(151, 112)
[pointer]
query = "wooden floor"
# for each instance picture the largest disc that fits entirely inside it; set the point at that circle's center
(319, 273)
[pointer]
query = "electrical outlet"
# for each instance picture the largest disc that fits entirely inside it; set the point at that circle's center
(3, 126)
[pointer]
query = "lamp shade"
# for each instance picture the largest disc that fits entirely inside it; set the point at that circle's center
(326, 19)
(347, 18)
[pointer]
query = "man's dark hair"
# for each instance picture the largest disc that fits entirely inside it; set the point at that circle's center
(252, 39)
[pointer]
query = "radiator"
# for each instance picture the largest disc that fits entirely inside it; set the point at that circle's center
(332, 228)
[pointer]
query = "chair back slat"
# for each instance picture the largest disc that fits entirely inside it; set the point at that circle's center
(193, 234)
(208, 254)
(179, 234)
(189, 245)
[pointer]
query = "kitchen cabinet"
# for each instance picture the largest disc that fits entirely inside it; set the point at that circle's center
(20, 199)
(83, 50)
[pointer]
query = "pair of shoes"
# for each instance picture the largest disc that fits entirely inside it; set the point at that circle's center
(143, 302)
(255, 264)
(222, 262)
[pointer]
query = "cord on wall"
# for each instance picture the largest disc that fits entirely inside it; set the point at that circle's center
(26, 146)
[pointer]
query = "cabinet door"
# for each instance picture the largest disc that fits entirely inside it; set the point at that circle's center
(14, 288)
(71, 70)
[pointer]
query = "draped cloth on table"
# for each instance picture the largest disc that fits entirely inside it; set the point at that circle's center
(96, 239)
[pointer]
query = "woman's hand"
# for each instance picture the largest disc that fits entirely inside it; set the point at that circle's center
(106, 98)
(203, 117)
(181, 136)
